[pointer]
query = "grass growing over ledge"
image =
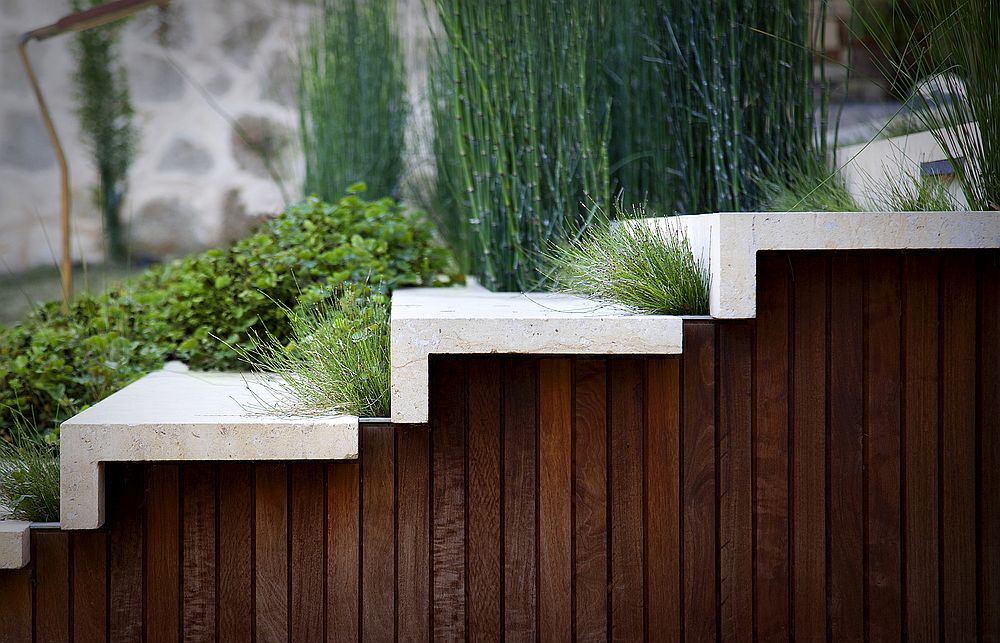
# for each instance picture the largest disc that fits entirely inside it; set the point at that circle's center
(29, 478)
(337, 360)
(653, 271)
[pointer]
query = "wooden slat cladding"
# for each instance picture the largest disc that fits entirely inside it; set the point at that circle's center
(828, 471)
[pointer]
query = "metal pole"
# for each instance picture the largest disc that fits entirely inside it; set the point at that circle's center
(66, 267)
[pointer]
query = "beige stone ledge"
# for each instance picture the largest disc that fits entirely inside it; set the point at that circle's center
(730, 241)
(427, 321)
(15, 544)
(178, 416)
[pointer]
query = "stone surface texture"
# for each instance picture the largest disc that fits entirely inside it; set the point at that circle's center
(15, 544)
(428, 321)
(730, 241)
(171, 415)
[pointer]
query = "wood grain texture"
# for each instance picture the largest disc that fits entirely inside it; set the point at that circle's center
(590, 496)
(90, 585)
(198, 551)
(808, 450)
(447, 413)
(162, 577)
(845, 450)
(271, 551)
(735, 465)
(661, 470)
(126, 488)
(378, 580)
(771, 449)
(413, 532)
(520, 384)
(343, 550)
(920, 441)
(555, 499)
(988, 435)
(235, 590)
(308, 491)
(958, 443)
(698, 490)
(50, 556)
(882, 448)
(484, 530)
(16, 600)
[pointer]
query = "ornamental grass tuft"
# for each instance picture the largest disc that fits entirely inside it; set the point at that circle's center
(629, 263)
(29, 478)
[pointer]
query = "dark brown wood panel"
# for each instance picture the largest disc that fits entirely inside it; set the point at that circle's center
(378, 581)
(988, 447)
(735, 465)
(198, 552)
(555, 499)
(484, 531)
(18, 605)
(126, 496)
(343, 551)
(520, 484)
(590, 496)
(308, 488)
(235, 556)
(845, 450)
(413, 532)
(661, 470)
(770, 444)
(883, 312)
(698, 491)
(447, 408)
(808, 445)
(89, 552)
(162, 580)
(50, 550)
(271, 551)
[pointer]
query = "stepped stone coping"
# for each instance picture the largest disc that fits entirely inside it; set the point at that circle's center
(15, 543)
(730, 241)
(174, 415)
(428, 321)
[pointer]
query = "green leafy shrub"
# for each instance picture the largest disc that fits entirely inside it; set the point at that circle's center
(631, 264)
(203, 308)
(337, 359)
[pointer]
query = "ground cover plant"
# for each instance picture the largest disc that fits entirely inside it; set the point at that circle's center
(627, 262)
(200, 308)
(353, 106)
(29, 478)
(336, 359)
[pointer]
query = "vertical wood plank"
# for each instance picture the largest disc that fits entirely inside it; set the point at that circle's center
(125, 487)
(882, 448)
(308, 481)
(958, 441)
(484, 547)
(343, 542)
(15, 597)
(378, 581)
(846, 527)
(520, 384)
(90, 585)
(661, 468)
(771, 449)
(989, 446)
(698, 482)
(271, 551)
(590, 553)
(50, 558)
(162, 571)
(413, 531)
(447, 413)
(235, 591)
(809, 446)
(625, 441)
(555, 499)
(199, 552)
(735, 483)
(920, 439)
